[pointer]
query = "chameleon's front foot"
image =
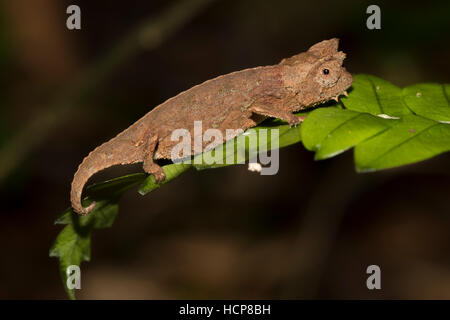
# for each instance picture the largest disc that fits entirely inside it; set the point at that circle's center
(295, 120)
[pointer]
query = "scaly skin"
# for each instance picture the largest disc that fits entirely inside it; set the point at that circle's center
(239, 100)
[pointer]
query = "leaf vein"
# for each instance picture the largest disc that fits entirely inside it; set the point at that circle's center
(445, 94)
(405, 141)
(376, 95)
(343, 123)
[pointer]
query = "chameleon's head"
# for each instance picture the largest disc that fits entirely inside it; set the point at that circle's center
(317, 75)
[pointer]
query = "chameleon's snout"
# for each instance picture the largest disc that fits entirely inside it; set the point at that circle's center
(344, 82)
(347, 79)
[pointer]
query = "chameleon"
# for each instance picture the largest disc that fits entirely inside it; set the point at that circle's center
(238, 100)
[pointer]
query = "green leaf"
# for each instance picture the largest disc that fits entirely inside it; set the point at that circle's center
(331, 131)
(379, 123)
(73, 244)
(429, 100)
(375, 96)
(413, 139)
(71, 247)
(65, 217)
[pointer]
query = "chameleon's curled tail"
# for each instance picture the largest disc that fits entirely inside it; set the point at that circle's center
(101, 158)
(79, 180)
(86, 169)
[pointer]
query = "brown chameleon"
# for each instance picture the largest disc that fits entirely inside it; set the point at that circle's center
(239, 100)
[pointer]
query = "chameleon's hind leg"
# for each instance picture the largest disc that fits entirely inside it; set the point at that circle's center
(149, 165)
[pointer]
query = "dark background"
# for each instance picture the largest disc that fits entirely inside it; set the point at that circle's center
(308, 232)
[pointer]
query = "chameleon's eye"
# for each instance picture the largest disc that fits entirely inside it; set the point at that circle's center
(328, 73)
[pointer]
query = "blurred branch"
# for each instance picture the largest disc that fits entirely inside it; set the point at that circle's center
(147, 35)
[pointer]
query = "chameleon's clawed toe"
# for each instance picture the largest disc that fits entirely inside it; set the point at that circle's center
(155, 170)
(295, 120)
(160, 176)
